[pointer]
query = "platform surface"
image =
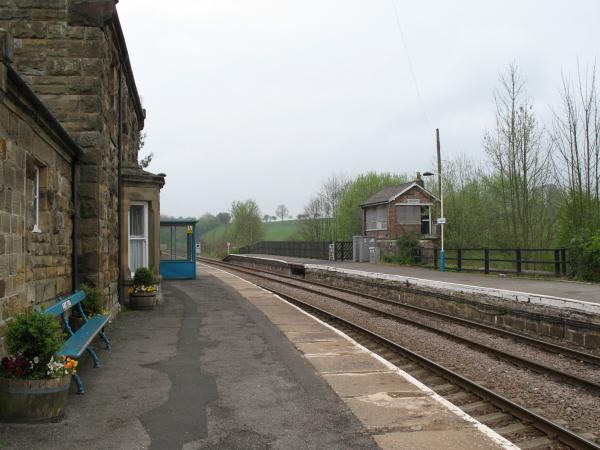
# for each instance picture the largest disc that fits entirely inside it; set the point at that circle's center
(587, 292)
(221, 364)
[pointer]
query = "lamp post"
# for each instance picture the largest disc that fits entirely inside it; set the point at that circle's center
(441, 221)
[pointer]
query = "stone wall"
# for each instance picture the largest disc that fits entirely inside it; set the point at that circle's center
(35, 267)
(73, 56)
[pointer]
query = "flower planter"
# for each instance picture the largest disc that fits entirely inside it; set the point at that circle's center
(142, 300)
(33, 400)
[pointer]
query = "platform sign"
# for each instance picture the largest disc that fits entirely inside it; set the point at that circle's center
(441, 221)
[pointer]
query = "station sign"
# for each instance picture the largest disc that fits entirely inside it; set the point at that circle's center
(441, 221)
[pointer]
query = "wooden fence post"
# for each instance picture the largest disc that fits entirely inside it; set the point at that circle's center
(486, 258)
(557, 262)
(458, 260)
(435, 258)
(518, 260)
(563, 254)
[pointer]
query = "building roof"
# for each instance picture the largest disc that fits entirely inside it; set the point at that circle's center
(388, 194)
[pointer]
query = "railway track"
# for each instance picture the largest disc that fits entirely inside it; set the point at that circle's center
(515, 422)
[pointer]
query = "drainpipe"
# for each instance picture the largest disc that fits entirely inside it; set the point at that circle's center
(74, 221)
(119, 187)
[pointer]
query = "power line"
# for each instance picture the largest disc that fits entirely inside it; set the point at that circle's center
(410, 66)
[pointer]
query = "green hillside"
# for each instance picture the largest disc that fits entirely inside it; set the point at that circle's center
(274, 231)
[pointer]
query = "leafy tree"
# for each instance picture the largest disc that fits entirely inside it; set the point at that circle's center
(281, 212)
(266, 218)
(246, 225)
(224, 218)
(207, 222)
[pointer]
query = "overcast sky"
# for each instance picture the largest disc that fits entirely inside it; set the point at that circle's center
(264, 99)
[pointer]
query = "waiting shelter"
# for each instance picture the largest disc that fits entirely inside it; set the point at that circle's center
(177, 249)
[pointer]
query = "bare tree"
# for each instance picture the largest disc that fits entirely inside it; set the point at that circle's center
(311, 227)
(576, 134)
(281, 211)
(521, 159)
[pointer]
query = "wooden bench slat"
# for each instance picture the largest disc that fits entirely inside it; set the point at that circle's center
(77, 343)
(65, 303)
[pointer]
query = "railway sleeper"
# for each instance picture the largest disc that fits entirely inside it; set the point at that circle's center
(495, 419)
(458, 396)
(443, 388)
(513, 429)
(539, 443)
(479, 408)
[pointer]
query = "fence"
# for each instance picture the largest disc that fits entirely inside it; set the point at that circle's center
(301, 249)
(541, 261)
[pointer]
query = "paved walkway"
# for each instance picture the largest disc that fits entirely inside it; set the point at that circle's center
(204, 370)
(589, 292)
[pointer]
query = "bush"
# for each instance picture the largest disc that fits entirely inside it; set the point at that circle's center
(406, 249)
(93, 303)
(34, 336)
(143, 277)
(586, 258)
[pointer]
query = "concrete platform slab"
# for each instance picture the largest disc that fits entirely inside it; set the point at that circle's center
(449, 439)
(356, 384)
(344, 363)
(341, 347)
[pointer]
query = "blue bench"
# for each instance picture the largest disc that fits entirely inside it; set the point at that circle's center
(80, 340)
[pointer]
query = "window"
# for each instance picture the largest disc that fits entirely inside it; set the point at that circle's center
(408, 214)
(138, 236)
(376, 217)
(36, 200)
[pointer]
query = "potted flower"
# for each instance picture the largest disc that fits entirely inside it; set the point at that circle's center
(34, 383)
(142, 293)
(92, 305)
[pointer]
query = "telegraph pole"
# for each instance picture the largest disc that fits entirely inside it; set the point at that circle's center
(442, 219)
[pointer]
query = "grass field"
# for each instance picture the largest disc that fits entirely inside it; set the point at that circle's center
(274, 231)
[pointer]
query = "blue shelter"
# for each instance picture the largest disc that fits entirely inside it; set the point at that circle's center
(177, 249)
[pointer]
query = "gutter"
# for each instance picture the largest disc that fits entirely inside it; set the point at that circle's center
(75, 223)
(119, 186)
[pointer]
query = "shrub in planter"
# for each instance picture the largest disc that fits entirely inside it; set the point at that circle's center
(93, 303)
(34, 383)
(142, 293)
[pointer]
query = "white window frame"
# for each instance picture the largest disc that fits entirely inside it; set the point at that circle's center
(143, 238)
(36, 199)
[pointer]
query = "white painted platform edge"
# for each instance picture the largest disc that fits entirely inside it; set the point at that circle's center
(495, 437)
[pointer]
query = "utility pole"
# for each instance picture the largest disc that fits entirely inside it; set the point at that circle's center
(441, 192)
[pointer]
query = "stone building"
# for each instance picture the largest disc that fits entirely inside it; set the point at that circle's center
(400, 210)
(73, 57)
(37, 161)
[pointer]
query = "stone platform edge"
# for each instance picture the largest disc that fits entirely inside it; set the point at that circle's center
(522, 297)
